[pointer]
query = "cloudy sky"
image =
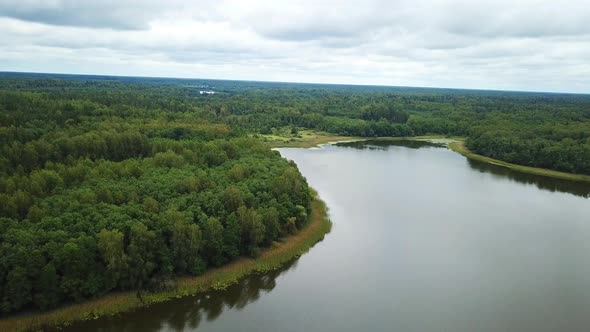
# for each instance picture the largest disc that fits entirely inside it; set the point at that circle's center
(537, 45)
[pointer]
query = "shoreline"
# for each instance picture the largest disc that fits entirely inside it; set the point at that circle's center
(458, 146)
(305, 139)
(214, 279)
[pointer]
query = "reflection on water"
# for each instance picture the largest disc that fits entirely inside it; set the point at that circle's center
(542, 182)
(188, 312)
(383, 144)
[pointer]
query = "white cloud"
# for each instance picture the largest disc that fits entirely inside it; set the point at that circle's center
(528, 45)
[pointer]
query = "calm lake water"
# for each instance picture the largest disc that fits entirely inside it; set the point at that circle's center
(423, 240)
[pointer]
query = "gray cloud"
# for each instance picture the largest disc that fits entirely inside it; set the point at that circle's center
(110, 14)
(534, 19)
(529, 45)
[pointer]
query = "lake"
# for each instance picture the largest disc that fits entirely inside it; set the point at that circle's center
(423, 240)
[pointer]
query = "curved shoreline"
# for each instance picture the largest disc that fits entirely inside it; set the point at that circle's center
(459, 147)
(456, 144)
(218, 278)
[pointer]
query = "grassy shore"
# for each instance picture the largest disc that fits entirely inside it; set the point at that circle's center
(219, 278)
(426, 138)
(310, 138)
(459, 147)
(304, 139)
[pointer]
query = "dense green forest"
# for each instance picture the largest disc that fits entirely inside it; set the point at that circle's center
(101, 194)
(116, 183)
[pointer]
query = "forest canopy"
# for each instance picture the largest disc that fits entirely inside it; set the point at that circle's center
(96, 197)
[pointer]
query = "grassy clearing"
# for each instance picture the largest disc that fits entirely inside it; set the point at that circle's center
(303, 139)
(459, 147)
(219, 278)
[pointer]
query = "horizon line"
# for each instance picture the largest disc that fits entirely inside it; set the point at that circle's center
(297, 82)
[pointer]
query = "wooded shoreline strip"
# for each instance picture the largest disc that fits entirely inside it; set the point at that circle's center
(459, 147)
(218, 278)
